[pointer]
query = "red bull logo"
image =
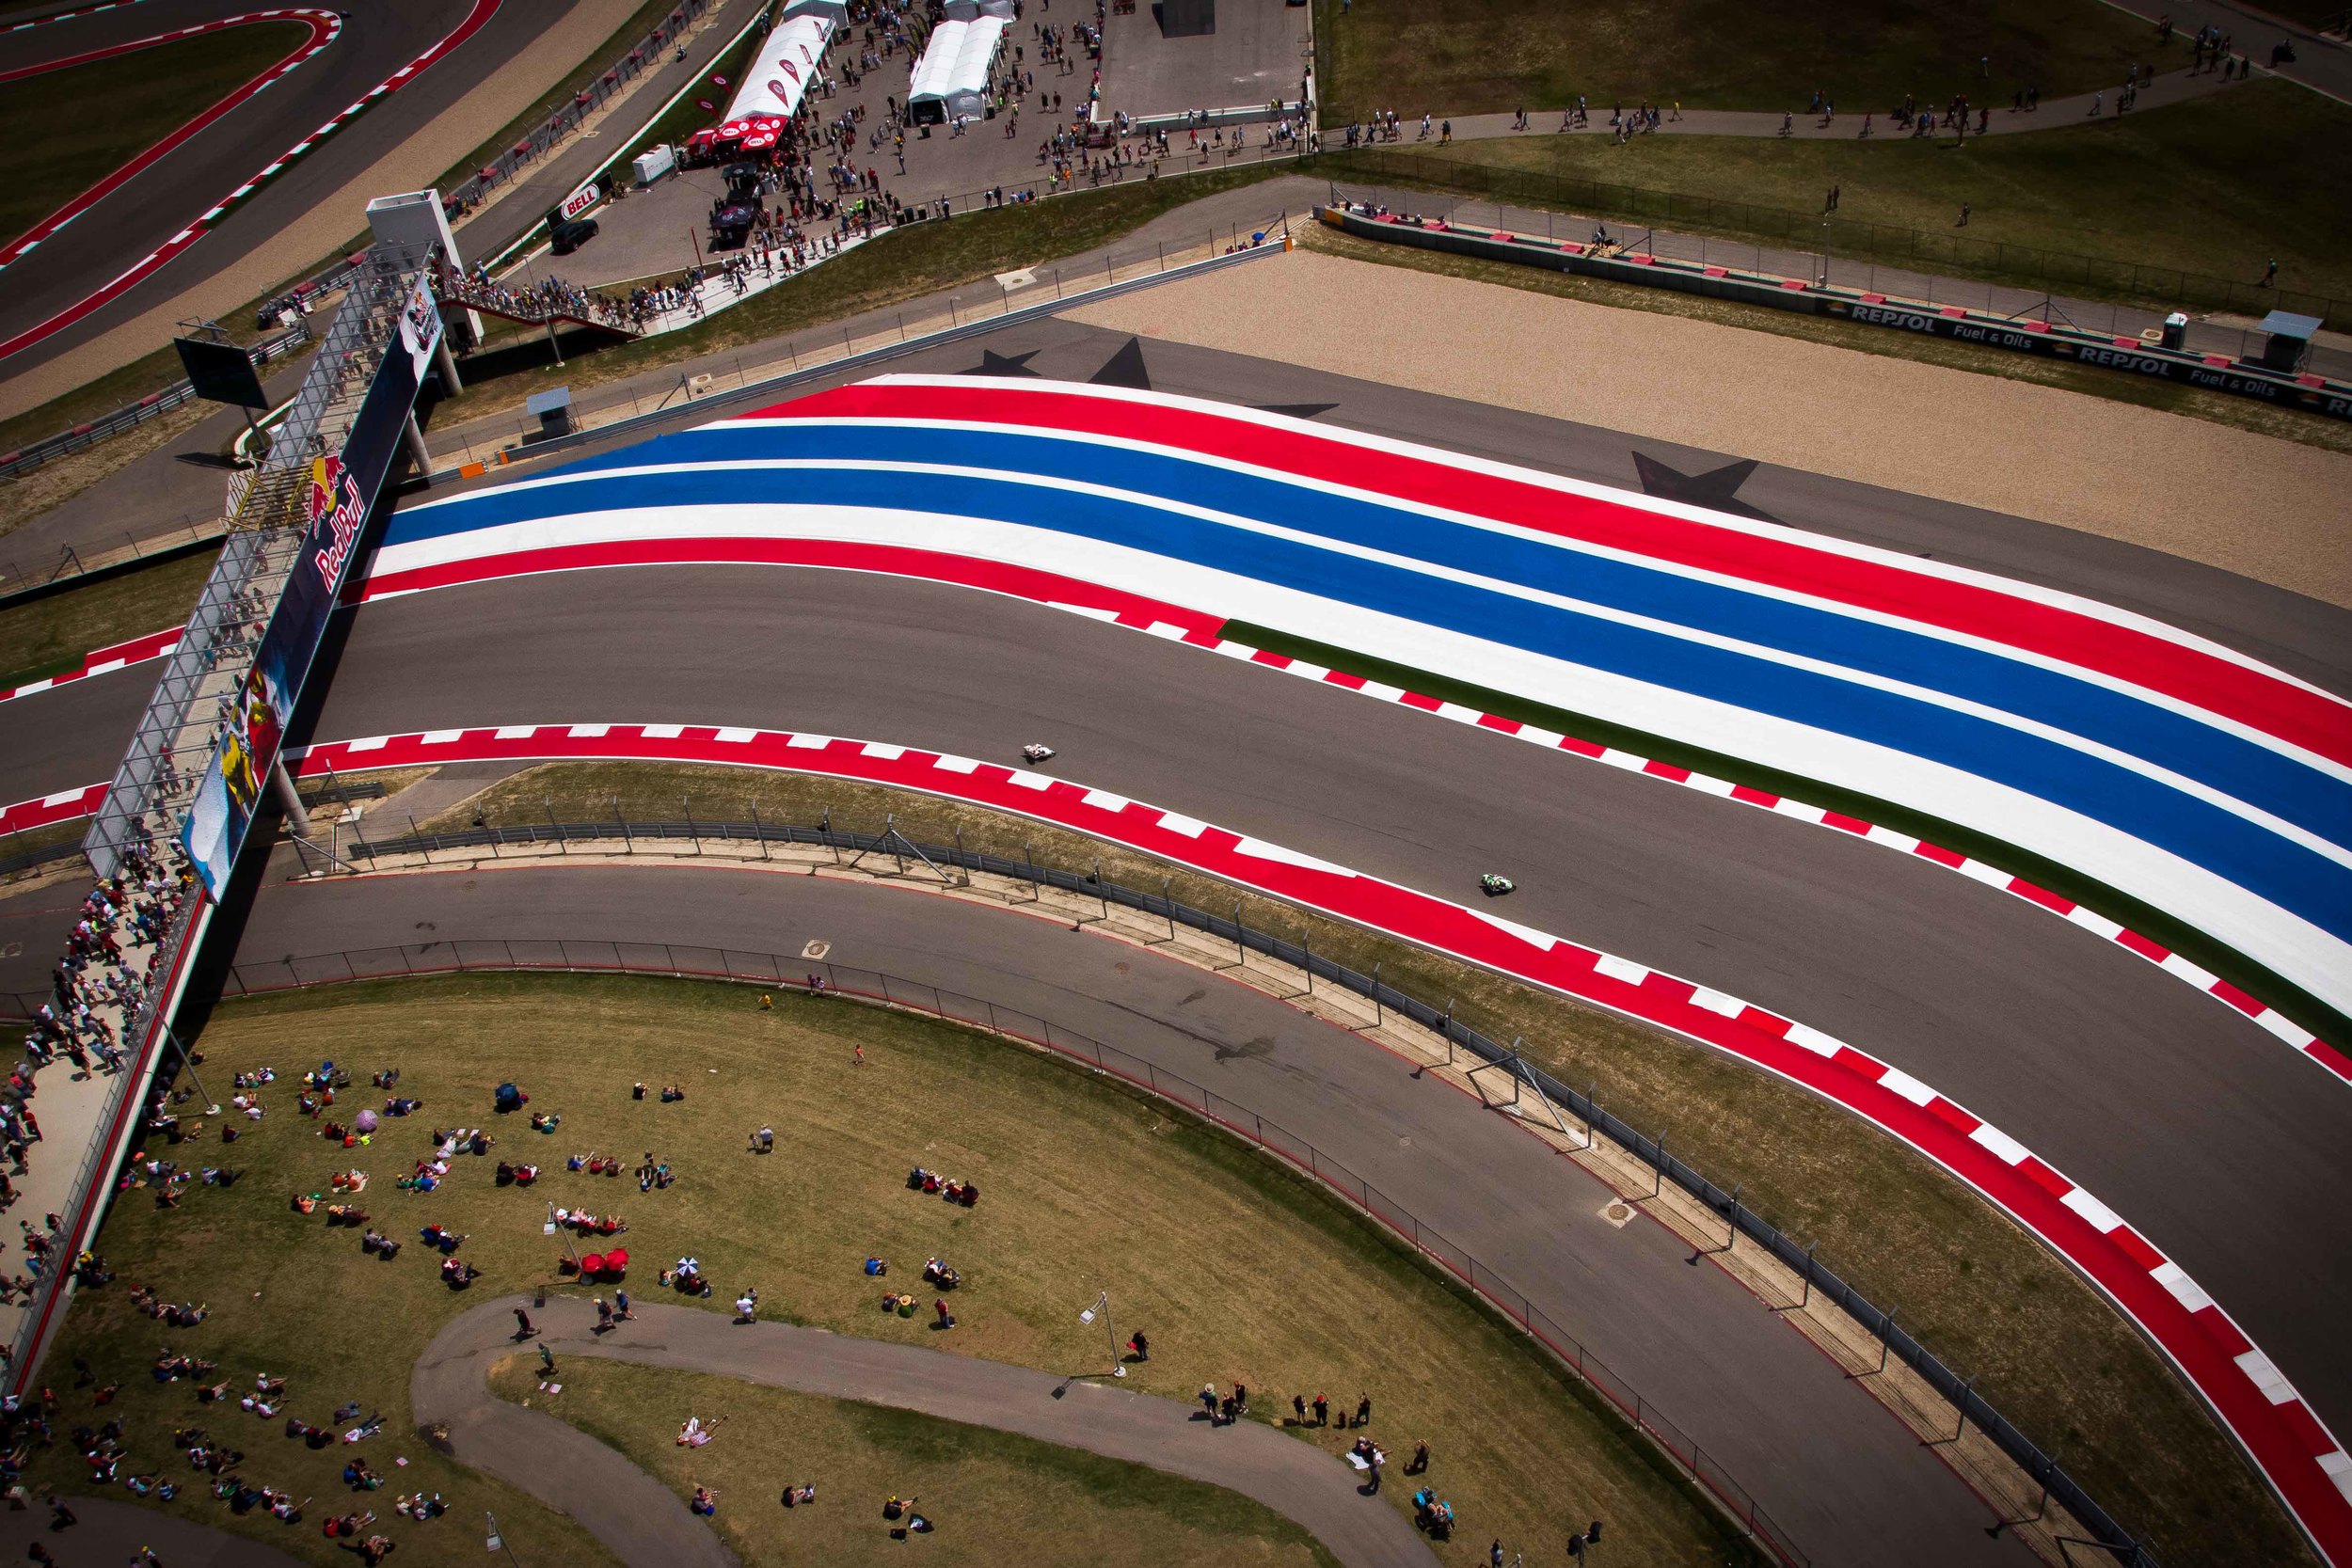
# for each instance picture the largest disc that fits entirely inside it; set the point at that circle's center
(335, 513)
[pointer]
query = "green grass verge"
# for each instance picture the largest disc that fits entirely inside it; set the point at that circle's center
(1086, 1184)
(65, 129)
(2211, 188)
(1471, 56)
(47, 636)
(2227, 962)
(2049, 1352)
(981, 1487)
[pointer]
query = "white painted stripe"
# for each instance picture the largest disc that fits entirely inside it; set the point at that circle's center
(1625, 760)
(873, 748)
(1459, 714)
(1552, 739)
(1543, 942)
(107, 667)
(63, 796)
(1710, 784)
(957, 765)
(2004, 1148)
(1258, 848)
(2102, 1219)
(1386, 694)
(737, 736)
(1726, 522)
(1991, 876)
(439, 738)
(1242, 651)
(1904, 1084)
(1189, 827)
(374, 743)
(36, 686)
(1027, 780)
(2337, 1467)
(1799, 810)
(1107, 800)
(1892, 839)
(590, 732)
(1620, 969)
(2095, 922)
(2285, 1028)
(2201, 979)
(2185, 1290)
(662, 732)
(516, 732)
(808, 742)
(1168, 630)
(1717, 1002)
(1814, 1040)
(2265, 1376)
(1309, 672)
(2303, 953)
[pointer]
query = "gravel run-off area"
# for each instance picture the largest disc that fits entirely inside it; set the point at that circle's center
(2263, 508)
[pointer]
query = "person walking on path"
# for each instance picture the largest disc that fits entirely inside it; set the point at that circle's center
(620, 1307)
(2271, 273)
(2098, 101)
(522, 1324)
(604, 1316)
(1963, 216)
(1208, 1399)
(1364, 1411)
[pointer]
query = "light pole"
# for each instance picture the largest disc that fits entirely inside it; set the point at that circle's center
(498, 1542)
(1102, 1305)
(211, 1108)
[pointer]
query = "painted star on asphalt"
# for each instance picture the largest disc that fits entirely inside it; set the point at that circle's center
(1718, 489)
(1295, 410)
(1124, 369)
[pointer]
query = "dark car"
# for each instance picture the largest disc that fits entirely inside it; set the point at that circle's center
(564, 238)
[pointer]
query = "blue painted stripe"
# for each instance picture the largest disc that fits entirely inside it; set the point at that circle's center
(2245, 771)
(2274, 869)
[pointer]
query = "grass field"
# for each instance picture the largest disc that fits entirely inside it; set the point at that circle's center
(41, 637)
(1085, 1186)
(2048, 1352)
(2217, 187)
(1471, 56)
(61, 147)
(982, 1487)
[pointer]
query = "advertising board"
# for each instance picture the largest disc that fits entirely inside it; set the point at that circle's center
(342, 487)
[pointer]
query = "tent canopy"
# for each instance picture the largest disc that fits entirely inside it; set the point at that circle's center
(951, 79)
(788, 59)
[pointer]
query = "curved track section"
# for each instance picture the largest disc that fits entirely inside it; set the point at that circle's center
(325, 28)
(2163, 765)
(2310, 1468)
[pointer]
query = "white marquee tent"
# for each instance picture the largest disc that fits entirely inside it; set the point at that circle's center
(787, 60)
(951, 79)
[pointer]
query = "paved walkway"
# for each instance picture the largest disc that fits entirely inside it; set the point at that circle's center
(113, 1531)
(643, 1523)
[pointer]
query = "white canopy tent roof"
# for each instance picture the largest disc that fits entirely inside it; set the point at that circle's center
(788, 58)
(953, 71)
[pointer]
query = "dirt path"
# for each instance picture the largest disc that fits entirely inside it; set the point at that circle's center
(2267, 509)
(645, 1523)
(468, 122)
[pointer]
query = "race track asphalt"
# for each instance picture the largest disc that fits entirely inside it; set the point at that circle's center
(1848, 1482)
(378, 39)
(2221, 1146)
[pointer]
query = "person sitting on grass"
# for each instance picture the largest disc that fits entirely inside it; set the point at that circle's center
(671, 1093)
(706, 1501)
(401, 1105)
(457, 1274)
(696, 1432)
(938, 1274)
(795, 1496)
(542, 1122)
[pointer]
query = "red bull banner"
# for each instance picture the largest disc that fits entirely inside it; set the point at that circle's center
(342, 489)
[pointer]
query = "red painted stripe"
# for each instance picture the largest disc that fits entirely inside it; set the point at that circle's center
(1754, 797)
(1846, 824)
(2041, 895)
(2329, 1057)
(2237, 999)
(1657, 769)
(2153, 952)
(40, 813)
(2136, 1247)
(2283, 1440)
(2267, 701)
(1942, 856)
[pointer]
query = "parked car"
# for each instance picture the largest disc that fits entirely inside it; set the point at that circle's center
(564, 238)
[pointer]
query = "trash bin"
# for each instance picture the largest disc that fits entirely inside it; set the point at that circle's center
(2176, 330)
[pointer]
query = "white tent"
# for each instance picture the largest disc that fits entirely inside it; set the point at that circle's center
(951, 79)
(787, 60)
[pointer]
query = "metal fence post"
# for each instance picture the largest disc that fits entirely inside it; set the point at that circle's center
(759, 830)
(1167, 909)
(416, 835)
(561, 845)
(1375, 996)
(628, 844)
